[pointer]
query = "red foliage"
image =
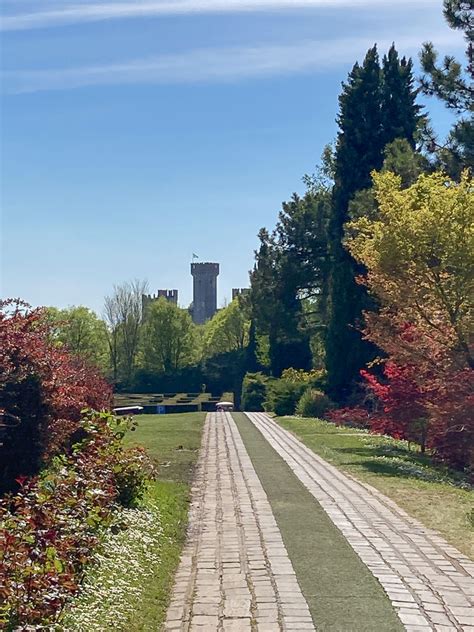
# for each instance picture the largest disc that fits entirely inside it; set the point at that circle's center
(432, 410)
(356, 417)
(44, 387)
(404, 402)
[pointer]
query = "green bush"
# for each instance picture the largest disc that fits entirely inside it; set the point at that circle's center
(313, 403)
(254, 392)
(283, 396)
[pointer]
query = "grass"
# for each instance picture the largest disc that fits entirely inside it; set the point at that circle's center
(342, 594)
(173, 442)
(432, 494)
(130, 586)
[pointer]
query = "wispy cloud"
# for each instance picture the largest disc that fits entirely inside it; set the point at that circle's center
(212, 65)
(59, 15)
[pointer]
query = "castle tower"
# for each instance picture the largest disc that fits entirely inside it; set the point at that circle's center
(204, 291)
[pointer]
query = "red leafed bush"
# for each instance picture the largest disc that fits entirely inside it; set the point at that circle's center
(404, 403)
(43, 389)
(50, 527)
(432, 409)
(452, 413)
(355, 417)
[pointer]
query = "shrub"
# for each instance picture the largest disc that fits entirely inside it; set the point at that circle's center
(42, 387)
(283, 396)
(316, 378)
(356, 417)
(51, 526)
(313, 403)
(254, 392)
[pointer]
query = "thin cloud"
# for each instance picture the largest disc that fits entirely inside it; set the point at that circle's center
(56, 15)
(211, 65)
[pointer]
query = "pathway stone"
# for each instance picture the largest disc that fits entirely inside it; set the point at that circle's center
(430, 583)
(234, 574)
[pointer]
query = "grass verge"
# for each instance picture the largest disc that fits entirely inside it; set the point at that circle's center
(342, 594)
(130, 586)
(427, 492)
(173, 442)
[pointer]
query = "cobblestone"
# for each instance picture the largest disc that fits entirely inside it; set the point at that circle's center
(430, 583)
(234, 574)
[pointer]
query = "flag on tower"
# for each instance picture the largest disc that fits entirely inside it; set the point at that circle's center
(195, 256)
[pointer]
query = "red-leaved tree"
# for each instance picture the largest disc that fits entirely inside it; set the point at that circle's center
(43, 389)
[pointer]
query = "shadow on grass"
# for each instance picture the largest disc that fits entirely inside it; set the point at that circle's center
(399, 453)
(386, 469)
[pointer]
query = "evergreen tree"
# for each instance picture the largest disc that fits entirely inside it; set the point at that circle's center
(276, 307)
(454, 85)
(400, 114)
(377, 105)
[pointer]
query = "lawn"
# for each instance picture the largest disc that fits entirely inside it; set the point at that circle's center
(173, 442)
(130, 587)
(437, 497)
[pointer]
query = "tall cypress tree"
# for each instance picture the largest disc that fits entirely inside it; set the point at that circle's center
(377, 105)
(400, 114)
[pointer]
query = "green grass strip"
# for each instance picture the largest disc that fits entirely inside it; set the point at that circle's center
(341, 593)
(427, 491)
(173, 442)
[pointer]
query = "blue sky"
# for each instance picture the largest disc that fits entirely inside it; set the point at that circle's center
(138, 132)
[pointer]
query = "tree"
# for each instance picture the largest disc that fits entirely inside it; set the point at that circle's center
(228, 330)
(454, 85)
(123, 315)
(43, 388)
(418, 253)
(289, 281)
(169, 337)
(400, 115)
(376, 106)
(277, 307)
(81, 331)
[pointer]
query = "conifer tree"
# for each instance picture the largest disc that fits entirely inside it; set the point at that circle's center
(377, 105)
(453, 84)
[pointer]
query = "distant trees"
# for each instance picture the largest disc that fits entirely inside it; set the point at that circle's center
(228, 330)
(169, 338)
(81, 331)
(123, 317)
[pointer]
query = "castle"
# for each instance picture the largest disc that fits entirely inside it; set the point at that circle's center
(204, 304)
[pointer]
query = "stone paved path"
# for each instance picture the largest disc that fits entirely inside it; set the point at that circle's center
(429, 582)
(234, 574)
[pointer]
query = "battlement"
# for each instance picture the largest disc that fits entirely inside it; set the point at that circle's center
(205, 268)
(170, 295)
(239, 291)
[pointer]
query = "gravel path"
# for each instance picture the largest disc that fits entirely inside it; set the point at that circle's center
(234, 574)
(430, 583)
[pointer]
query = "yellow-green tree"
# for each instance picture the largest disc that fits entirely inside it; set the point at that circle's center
(227, 331)
(80, 330)
(419, 255)
(169, 338)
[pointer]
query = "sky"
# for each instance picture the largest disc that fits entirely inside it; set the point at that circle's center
(138, 132)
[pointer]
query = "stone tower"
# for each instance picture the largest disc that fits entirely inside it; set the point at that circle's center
(204, 291)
